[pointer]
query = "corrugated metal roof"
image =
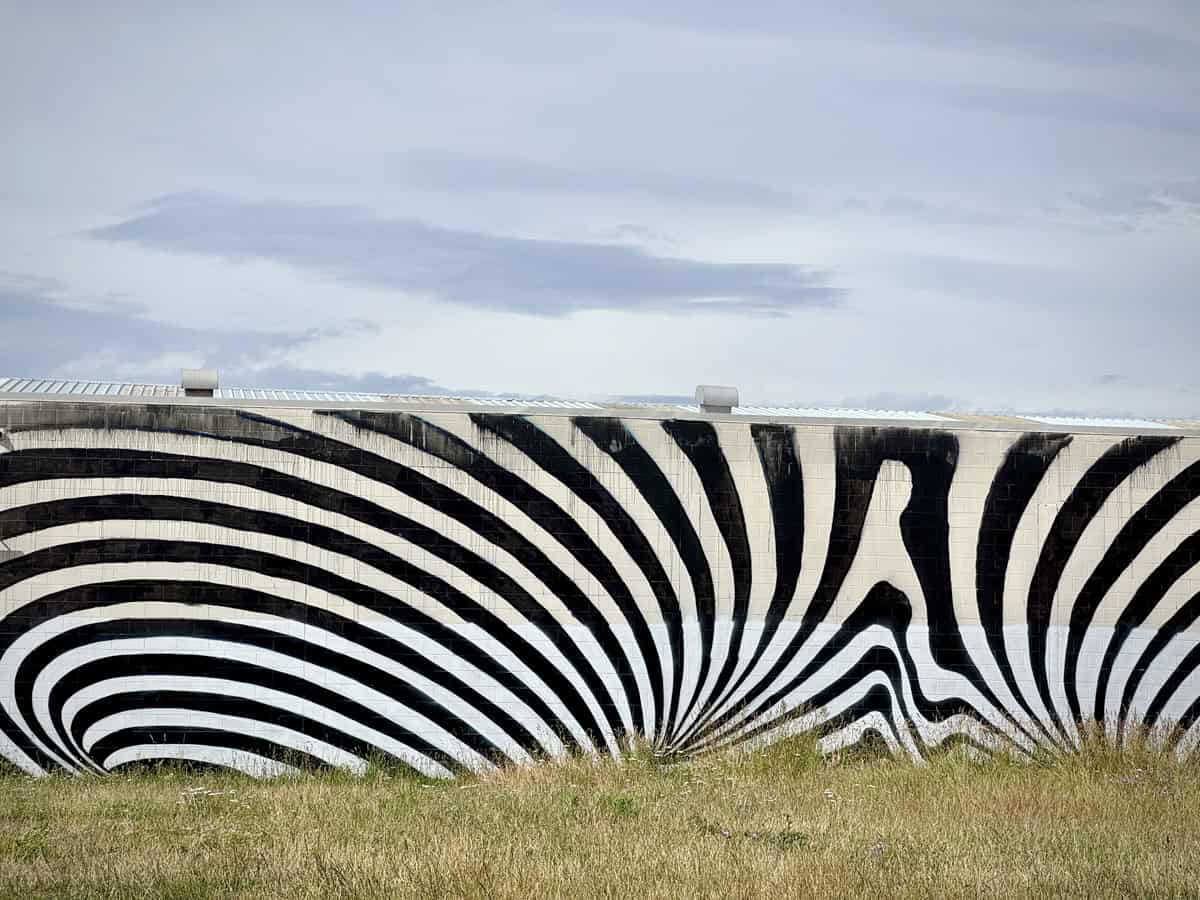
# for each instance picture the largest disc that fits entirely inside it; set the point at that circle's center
(1088, 422)
(65, 389)
(87, 388)
(542, 403)
(813, 412)
(115, 389)
(304, 396)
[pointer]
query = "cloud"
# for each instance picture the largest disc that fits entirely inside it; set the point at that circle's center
(1130, 203)
(288, 377)
(1061, 105)
(1069, 37)
(46, 332)
(534, 277)
(1057, 34)
(456, 171)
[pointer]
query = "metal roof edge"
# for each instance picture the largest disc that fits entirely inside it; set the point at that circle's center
(66, 391)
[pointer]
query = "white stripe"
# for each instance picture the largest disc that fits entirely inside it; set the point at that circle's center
(166, 717)
(240, 760)
(224, 687)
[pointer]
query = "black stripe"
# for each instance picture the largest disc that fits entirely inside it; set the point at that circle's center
(785, 488)
(172, 763)
(165, 736)
(1085, 500)
(544, 451)
(1183, 724)
(1186, 667)
(877, 698)
(699, 442)
(224, 704)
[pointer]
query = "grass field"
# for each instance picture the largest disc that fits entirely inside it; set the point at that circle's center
(775, 823)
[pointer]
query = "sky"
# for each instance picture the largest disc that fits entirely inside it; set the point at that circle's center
(979, 206)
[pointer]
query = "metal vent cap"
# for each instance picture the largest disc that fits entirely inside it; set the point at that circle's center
(198, 382)
(716, 398)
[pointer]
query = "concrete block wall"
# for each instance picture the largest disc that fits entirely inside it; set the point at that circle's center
(261, 587)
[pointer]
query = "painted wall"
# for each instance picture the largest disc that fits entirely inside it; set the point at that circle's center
(245, 586)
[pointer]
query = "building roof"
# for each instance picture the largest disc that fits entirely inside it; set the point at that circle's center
(58, 389)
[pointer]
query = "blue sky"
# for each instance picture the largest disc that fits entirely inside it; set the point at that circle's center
(972, 206)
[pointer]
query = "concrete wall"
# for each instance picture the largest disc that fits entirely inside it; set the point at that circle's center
(239, 586)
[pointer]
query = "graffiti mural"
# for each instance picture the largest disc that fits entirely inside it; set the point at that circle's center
(260, 588)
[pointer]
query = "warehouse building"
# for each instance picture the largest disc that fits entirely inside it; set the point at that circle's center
(260, 579)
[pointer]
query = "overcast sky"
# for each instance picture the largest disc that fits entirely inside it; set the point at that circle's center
(923, 205)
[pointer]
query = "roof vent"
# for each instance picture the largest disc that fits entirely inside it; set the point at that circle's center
(716, 398)
(198, 382)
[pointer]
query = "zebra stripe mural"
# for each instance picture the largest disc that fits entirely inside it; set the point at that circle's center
(452, 590)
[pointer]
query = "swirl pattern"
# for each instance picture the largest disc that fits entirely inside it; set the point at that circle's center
(451, 591)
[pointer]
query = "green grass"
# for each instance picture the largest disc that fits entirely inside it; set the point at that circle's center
(779, 822)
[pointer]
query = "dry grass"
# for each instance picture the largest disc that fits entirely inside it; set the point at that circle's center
(776, 823)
